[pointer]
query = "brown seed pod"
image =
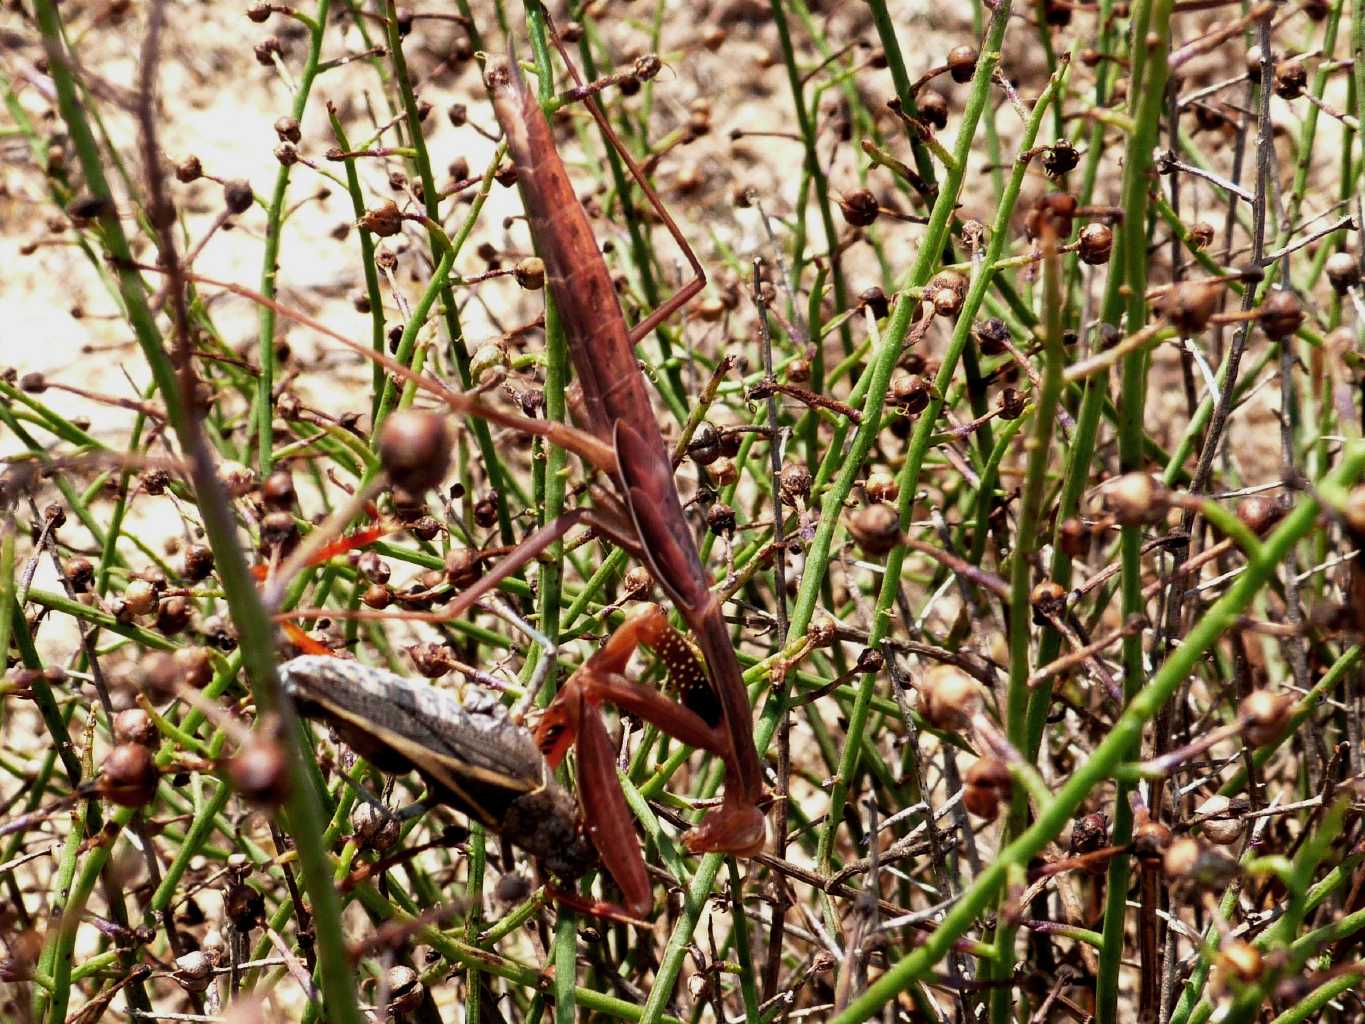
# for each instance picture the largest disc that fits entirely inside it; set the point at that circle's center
(1217, 827)
(876, 528)
(949, 697)
(636, 582)
(385, 220)
(720, 518)
(1096, 243)
(882, 486)
(244, 906)
(198, 562)
(1343, 270)
(875, 300)
(1258, 513)
(1190, 304)
(1136, 499)
(375, 827)
(195, 665)
(985, 785)
(277, 493)
(1202, 234)
(172, 615)
(1089, 834)
(909, 393)
(1281, 314)
(1073, 537)
(377, 596)
(158, 675)
(991, 336)
(287, 128)
(859, 207)
(962, 63)
(463, 566)
(1056, 210)
(933, 109)
(1265, 716)
(432, 660)
(260, 771)
(486, 510)
(1150, 841)
(193, 971)
(1060, 158)
(1048, 599)
(530, 273)
(414, 449)
(947, 290)
(133, 725)
(1291, 79)
(80, 573)
(128, 776)
(794, 483)
(237, 196)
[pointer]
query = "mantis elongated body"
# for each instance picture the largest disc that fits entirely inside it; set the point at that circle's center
(646, 516)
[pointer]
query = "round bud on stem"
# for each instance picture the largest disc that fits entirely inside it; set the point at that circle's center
(949, 697)
(80, 573)
(375, 828)
(405, 990)
(188, 170)
(133, 725)
(129, 776)
(1218, 827)
(875, 528)
(991, 336)
(1265, 716)
(384, 220)
(933, 108)
(195, 666)
(1343, 271)
(1259, 512)
(260, 772)
(986, 784)
(1136, 499)
(947, 291)
(962, 63)
(794, 483)
(1096, 243)
(237, 196)
(1190, 304)
(875, 300)
(414, 449)
(1281, 314)
(193, 971)
(859, 207)
(530, 273)
(1073, 537)
(882, 486)
(1060, 158)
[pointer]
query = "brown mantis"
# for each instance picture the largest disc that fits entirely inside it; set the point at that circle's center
(620, 438)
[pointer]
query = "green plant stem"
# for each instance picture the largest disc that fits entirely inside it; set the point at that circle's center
(1151, 33)
(274, 231)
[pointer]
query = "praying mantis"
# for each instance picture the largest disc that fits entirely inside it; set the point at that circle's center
(619, 437)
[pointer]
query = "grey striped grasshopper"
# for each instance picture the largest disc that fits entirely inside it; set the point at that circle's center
(470, 753)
